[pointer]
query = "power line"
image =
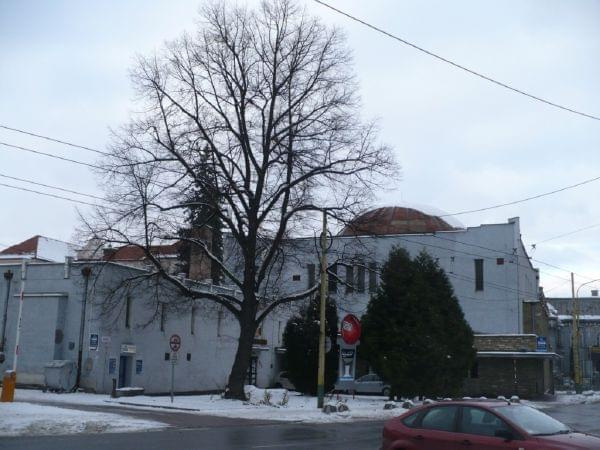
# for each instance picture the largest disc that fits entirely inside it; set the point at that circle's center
(589, 227)
(458, 66)
(48, 138)
(533, 197)
(61, 197)
(50, 155)
(25, 180)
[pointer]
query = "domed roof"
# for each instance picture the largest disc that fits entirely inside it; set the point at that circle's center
(394, 220)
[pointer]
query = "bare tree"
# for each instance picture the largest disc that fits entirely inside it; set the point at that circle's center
(267, 99)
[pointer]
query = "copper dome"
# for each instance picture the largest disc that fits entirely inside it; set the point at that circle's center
(394, 220)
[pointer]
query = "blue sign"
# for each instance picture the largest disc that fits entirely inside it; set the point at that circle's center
(541, 344)
(138, 366)
(112, 366)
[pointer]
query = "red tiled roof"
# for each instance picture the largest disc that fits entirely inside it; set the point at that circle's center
(134, 253)
(394, 220)
(26, 247)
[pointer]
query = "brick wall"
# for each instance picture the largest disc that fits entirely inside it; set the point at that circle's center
(505, 343)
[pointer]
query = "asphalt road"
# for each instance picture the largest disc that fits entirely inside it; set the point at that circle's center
(189, 431)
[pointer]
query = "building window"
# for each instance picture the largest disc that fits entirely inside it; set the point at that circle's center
(372, 277)
(188, 356)
(167, 356)
(360, 278)
(333, 279)
(474, 371)
(349, 279)
(500, 261)
(311, 275)
(219, 320)
(163, 316)
(479, 274)
(193, 319)
(128, 312)
(295, 277)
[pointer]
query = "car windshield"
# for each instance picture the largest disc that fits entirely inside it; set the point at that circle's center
(533, 421)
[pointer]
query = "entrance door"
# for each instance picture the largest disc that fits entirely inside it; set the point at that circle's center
(252, 370)
(124, 371)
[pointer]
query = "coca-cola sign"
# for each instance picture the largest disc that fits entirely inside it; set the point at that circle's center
(350, 329)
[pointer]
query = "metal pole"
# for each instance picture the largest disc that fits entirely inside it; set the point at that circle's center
(86, 272)
(321, 372)
(20, 315)
(172, 377)
(575, 336)
(8, 277)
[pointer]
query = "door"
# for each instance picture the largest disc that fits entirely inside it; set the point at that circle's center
(252, 370)
(478, 428)
(123, 371)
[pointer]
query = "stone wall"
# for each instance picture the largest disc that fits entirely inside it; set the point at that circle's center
(505, 343)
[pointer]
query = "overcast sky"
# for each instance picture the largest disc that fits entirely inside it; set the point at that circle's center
(462, 142)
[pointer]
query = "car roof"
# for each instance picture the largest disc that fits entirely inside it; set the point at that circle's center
(490, 403)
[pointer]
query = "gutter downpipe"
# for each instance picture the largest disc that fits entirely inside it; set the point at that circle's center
(86, 272)
(8, 275)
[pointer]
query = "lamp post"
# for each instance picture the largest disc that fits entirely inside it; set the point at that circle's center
(575, 334)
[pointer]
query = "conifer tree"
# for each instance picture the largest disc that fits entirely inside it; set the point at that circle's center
(415, 335)
(301, 340)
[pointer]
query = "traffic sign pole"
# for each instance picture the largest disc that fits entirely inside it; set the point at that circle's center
(175, 344)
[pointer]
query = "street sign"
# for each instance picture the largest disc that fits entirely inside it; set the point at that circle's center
(175, 342)
(541, 344)
(93, 341)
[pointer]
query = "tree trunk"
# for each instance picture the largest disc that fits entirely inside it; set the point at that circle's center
(239, 371)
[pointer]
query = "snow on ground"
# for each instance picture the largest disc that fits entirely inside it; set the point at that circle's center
(298, 408)
(17, 419)
(567, 398)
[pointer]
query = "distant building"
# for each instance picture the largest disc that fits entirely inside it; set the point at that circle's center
(38, 249)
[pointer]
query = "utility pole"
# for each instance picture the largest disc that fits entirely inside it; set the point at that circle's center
(575, 336)
(321, 372)
(20, 316)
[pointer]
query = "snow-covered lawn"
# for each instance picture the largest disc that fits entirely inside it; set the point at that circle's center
(298, 408)
(26, 419)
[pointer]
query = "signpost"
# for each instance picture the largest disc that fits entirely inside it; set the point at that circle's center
(175, 344)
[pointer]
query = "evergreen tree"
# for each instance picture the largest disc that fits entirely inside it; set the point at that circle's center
(301, 340)
(414, 334)
(204, 202)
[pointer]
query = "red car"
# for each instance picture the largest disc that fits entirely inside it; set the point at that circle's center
(481, 425)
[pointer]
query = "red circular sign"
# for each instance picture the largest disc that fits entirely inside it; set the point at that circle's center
(350, 329)
(175, 342)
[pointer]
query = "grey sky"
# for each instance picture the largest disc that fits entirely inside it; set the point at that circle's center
(462, 142)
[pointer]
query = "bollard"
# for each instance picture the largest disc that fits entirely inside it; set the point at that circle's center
(113, 393)
(9, 382)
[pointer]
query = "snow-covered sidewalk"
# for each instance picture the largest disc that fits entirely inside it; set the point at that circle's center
(298, 408)
(567, 398)
(26, 419)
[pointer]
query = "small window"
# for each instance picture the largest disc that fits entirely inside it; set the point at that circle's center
(479, 274)
(163, 316)
(500, 261)
(296, 277)
(193, 319)
(128, 312)
(311, 269)
(167, 356)
(138, 366)
(188, 356)
(440, 418)
(372, 277)
(349, 279)
(360, 278)
(333, 279)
